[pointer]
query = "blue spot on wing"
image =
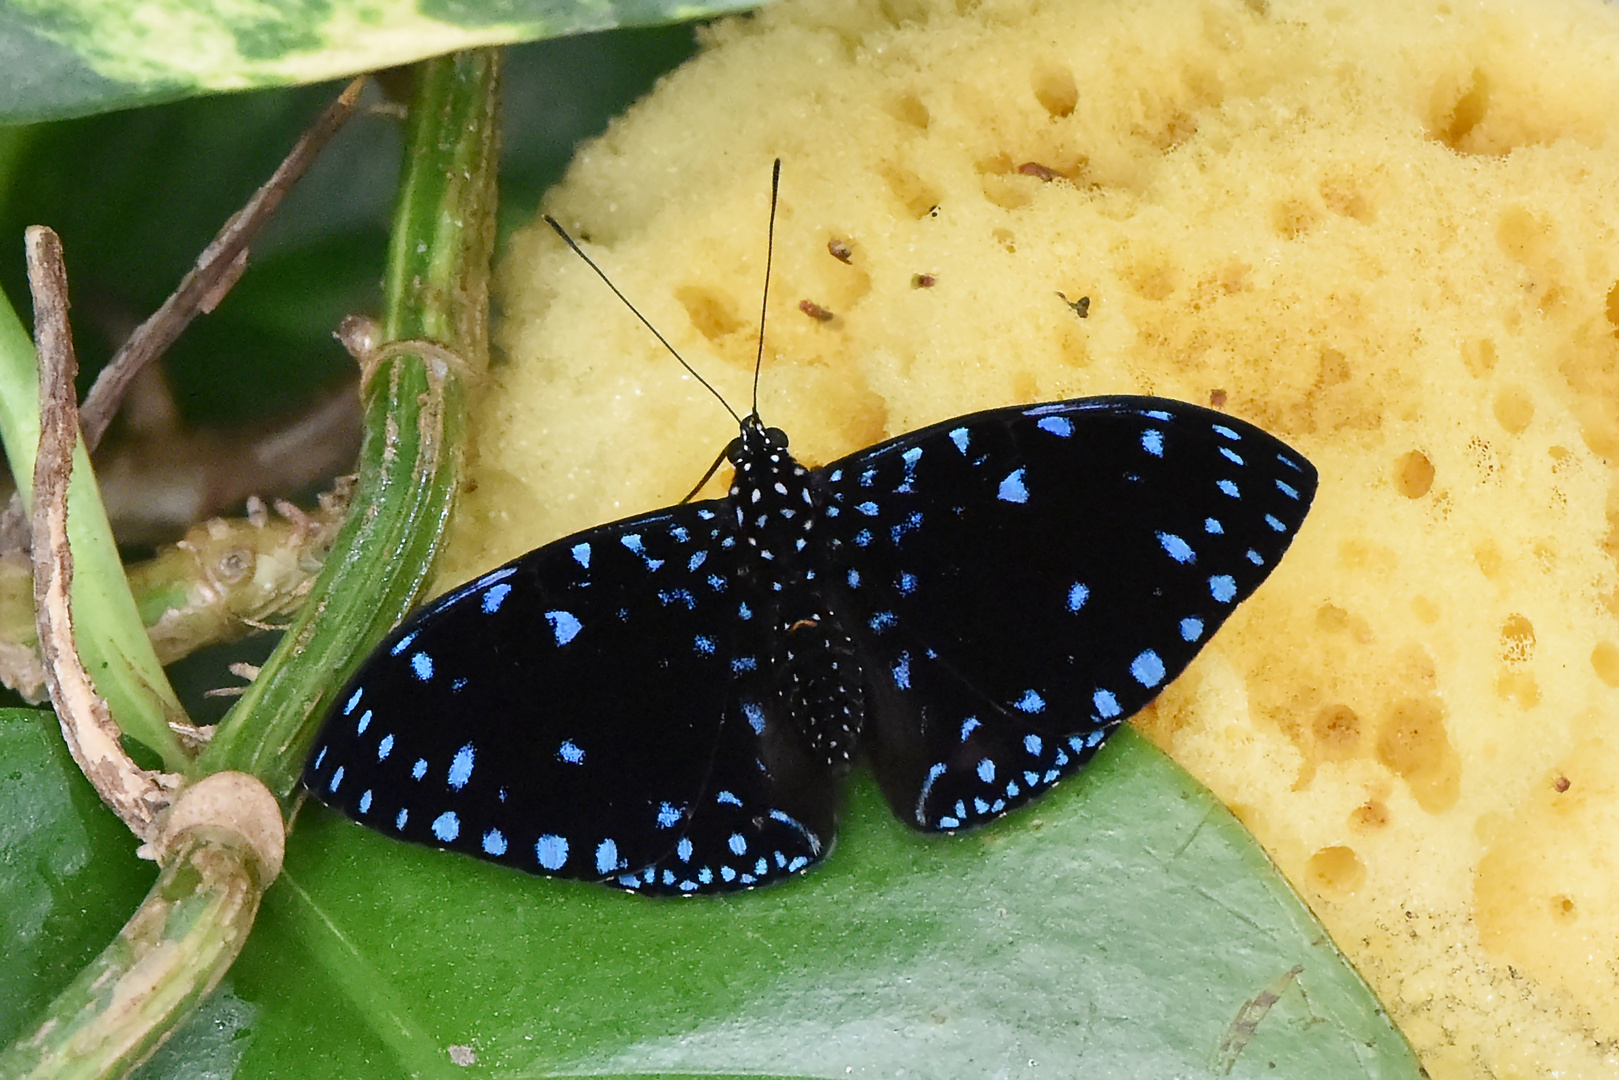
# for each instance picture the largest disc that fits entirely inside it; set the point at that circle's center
(1030, 702)
(565, 626)
(551, 851)
(1176, 548)
(1012, 488)
(461, 767)
(1147, 668)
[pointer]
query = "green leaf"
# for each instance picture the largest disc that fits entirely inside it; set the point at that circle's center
(1121, 925)
(74, 57)
(68, 871)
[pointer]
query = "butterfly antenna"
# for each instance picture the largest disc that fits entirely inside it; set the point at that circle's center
(566, 239)
(764, 302)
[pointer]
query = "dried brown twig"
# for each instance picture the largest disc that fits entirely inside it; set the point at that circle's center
(216, 271)
(135, 794)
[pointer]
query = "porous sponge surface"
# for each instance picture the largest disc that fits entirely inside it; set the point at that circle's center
(1386, 231)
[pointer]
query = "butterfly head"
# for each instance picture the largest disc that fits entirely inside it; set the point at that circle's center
(757, 443)
(770, 493)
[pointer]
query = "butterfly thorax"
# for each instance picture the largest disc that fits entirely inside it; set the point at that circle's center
(776, 510)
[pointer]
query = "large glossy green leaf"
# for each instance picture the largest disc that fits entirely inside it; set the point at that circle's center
(1115, 930)
(68, 872)
(74, 57)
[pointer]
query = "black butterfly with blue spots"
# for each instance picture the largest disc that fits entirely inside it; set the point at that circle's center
(665, 704)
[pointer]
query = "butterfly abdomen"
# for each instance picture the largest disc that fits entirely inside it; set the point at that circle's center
(824, 686)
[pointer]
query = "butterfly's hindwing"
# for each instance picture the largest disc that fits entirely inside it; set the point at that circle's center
(1021, 581)
(766, 811)
(577, 713)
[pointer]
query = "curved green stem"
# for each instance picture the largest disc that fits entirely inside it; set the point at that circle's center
(437, 293)
(192, 924)
(157, 970)
(109, 634)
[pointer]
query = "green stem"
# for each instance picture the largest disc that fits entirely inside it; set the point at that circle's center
(108, 630)
(192, 924)
(224, 581)
(157, 970)
(437, 291)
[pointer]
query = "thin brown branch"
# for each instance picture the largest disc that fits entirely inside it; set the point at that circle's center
(217, 269)
(156, 484)
(135, 794)
(204, 286)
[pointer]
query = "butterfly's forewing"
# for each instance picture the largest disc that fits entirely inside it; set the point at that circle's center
(599, 709)
(1021, 581)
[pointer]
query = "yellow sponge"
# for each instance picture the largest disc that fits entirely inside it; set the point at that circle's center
(1386, 230)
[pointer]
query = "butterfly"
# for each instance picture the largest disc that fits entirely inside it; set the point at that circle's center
(665, 704)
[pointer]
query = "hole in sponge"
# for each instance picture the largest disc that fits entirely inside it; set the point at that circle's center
(1563, 909)
(1413, 475)
(1467, 113)
(1336, 870)
(1514, 409)
(918, 196)
(1054, 89)
(710, 313)
(1605, 662)
(909, 108)
(1414, 744)
(1517, 639)
(1369, 815)
(1337, 732)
